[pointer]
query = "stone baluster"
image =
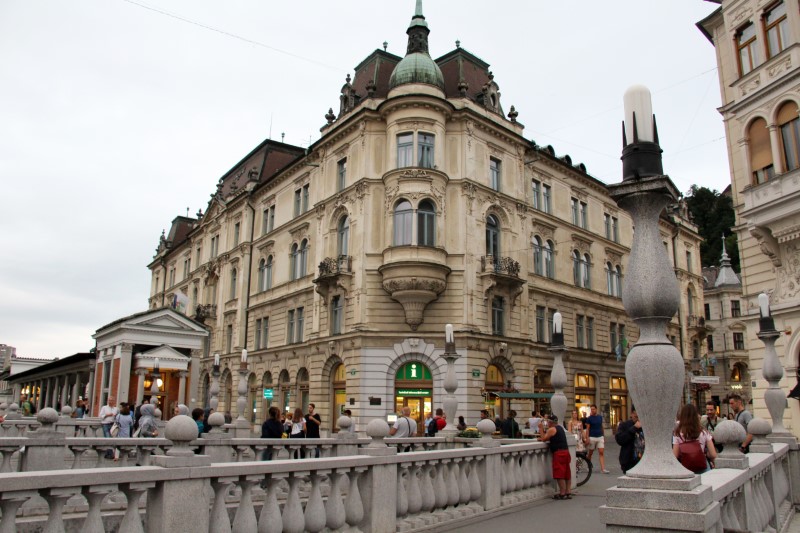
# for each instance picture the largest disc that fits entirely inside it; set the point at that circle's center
(219, 520)
(426, 488)
(354, 506)
(293, 520)
(270, 520)
(245, 518)
(490, 477)
(132, 521)
(315, 507)
(335, 517)
(463, 482)
(56, 498)
(774, 396)
(439, 485)
(402, 494)
(558, 376)
(10, 502)
(414, 489)
(214, 388)
(243, 429)
(450, 468)
(95, 494)
(474, 481)
(450, 402)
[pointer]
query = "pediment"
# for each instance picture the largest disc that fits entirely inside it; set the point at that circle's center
(168, 359)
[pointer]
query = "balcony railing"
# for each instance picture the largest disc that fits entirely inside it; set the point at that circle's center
(204, 311)
(331, 266)
(696, 321)
(500, 265)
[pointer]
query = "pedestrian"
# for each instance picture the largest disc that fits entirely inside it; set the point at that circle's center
(630, 438)
(207, 413)
(180, 409)
(124, 420)
(427, 424)
(286, 423)
(404, 427)
(197, 416)
(575, 427)
(271, 429)
(148, 428)
(691, 444)
(556, 438)
(298, 430)
(440, 420)
(594, 426)
(313, 423)
(228, 417)
(510, 426)
(461, 426)
(79, 409)
(349, 414)
(742, 416)
(533, 421)
(709, 422)
(107, 414)
(26, 406)
(484, 415)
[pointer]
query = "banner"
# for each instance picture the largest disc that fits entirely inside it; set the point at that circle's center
(180, 302)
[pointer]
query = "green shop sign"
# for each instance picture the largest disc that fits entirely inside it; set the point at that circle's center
(414, 392)
(268, 394)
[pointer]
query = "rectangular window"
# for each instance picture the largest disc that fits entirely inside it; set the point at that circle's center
(236, 231)
(790, 136)
(584, 215)
(710, 343)
(736, 310)
(305, 198)
(546, 195)
(590, 333)
(612, 336)
(229, 339)
(186, 267)
(550, 314)
(300, 322)
(271, 221)
(214, 246)
(298, 197)
(746, 46)
(607, 223)
(336, 315)
(537, 194)
(575, 214)
(425, 147)
(265, 332)
(290, 326)
(497, 315)
(341, 174)
(257, 340)
(405, 150)
(615, 229)
(494, 174)
(689, 261)
(172, 276)
(707, 311)
(776, 27)
(199, 257)
(540, 324)
(579, 330)
(738, 341)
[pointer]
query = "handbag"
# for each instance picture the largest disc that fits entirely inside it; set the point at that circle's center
(114, 429)
(692, 456)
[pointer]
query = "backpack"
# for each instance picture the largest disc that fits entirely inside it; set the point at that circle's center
(433, 427)
(692, 456)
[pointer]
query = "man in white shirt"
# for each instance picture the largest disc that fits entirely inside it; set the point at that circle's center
(404, 426)
(534, 421)
(108, 413)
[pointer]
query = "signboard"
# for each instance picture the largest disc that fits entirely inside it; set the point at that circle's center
(268, 394)
(709, 380)
(414, 392)
(476, 373)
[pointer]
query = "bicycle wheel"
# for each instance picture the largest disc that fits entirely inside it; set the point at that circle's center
(583, 470)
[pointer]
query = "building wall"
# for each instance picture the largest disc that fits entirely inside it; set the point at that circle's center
(767, 214)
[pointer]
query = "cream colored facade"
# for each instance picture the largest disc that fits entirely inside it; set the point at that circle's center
(404, 274)
(758, 56)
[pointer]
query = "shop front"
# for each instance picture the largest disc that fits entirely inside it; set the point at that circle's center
(619, 400)
(413, 388)
(585, 393)
(339, 394)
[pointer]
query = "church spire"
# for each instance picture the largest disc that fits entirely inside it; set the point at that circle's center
(726, 275)
(418, 32)
(417, 66)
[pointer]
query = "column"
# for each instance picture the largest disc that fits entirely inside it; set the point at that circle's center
(90, 396)
(76, 388)
(39, 391)
(64, 391)
(141, 373)
(776, 143)
(194, 379)
(47, 392)
(125, 365)
(182, 386)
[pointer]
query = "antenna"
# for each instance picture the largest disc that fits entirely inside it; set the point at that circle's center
(282, 136)
(187, 212)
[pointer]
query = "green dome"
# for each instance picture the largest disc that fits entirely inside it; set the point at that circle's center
(417, 68)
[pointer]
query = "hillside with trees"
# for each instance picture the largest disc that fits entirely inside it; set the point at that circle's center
(714, 215)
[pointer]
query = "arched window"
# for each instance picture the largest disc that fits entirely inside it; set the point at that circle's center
(538, 259)
(586, 271)
(618, 270)
(549, 263)
(234, 275)
(293, 262)
(261, 268)
(343, 235)
(610, 279)
(576, 268)
(493, 237)
(268, 274)
(302, 257)
(426, 224)
(403, 219)
(760, 151)
(790, 135)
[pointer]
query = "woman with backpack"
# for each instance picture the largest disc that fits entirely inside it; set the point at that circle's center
(691, 444)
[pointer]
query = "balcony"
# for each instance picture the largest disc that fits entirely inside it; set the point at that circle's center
(205, 312)
(414, 276)
(335, 274)
(501, 278)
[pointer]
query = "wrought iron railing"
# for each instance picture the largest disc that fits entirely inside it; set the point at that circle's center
(500, 265)
(331, 266)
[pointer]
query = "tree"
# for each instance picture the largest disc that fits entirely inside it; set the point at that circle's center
(713, 213)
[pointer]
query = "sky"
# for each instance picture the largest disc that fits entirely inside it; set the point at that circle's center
(118, 115)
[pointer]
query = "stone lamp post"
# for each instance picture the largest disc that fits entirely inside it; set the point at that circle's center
(155, 376)
(214, 388)
(241, 424)
(772, 371)
(558, 376)
(450, 382)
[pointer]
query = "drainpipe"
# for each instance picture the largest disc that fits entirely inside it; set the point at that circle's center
(164, 284)
(249, 268)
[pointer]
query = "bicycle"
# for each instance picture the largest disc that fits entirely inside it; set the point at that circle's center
(583, 468)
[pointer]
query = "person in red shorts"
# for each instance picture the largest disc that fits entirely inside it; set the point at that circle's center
(554, 435)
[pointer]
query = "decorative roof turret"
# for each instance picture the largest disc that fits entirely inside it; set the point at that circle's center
(726, 277)
(417, 66)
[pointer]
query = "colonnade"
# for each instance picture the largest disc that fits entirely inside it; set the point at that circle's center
(56, 391)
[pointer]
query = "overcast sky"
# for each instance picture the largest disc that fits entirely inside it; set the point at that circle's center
(118, 115)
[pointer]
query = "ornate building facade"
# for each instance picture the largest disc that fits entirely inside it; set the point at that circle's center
(422, 204)
(758, 59)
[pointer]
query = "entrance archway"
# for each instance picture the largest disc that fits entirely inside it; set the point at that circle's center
(495, 382)
(339, 394)
(413, 387)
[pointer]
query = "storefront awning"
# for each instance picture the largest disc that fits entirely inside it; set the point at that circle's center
(523, 395)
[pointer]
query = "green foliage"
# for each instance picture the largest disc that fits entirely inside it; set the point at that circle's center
(471, 433)
(714, 215)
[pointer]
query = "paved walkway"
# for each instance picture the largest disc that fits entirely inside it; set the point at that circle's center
(580, 514)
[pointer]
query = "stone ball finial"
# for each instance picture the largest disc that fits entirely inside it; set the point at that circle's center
(181, 430)
(729, 433)
(47, 416)
(12, 413)
(66, 411)
(216, 420)
(759, 427)
(344, 422)
(157, 414)
(486, 427)
(377, 430)
(183, 409)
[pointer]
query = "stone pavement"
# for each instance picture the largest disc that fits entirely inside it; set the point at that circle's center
(580, 514)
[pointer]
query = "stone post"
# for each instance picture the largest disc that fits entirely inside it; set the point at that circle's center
(654, 369)
(46, 451)
(140, 373)
(154, 390)
(346, 436)
(214, 388)
(125, 365)
(381, 484)
(490, 469)
(558, 376)
(172, 504)
(242, 426)
(772, 371)
(182, 386)
(450, 401)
